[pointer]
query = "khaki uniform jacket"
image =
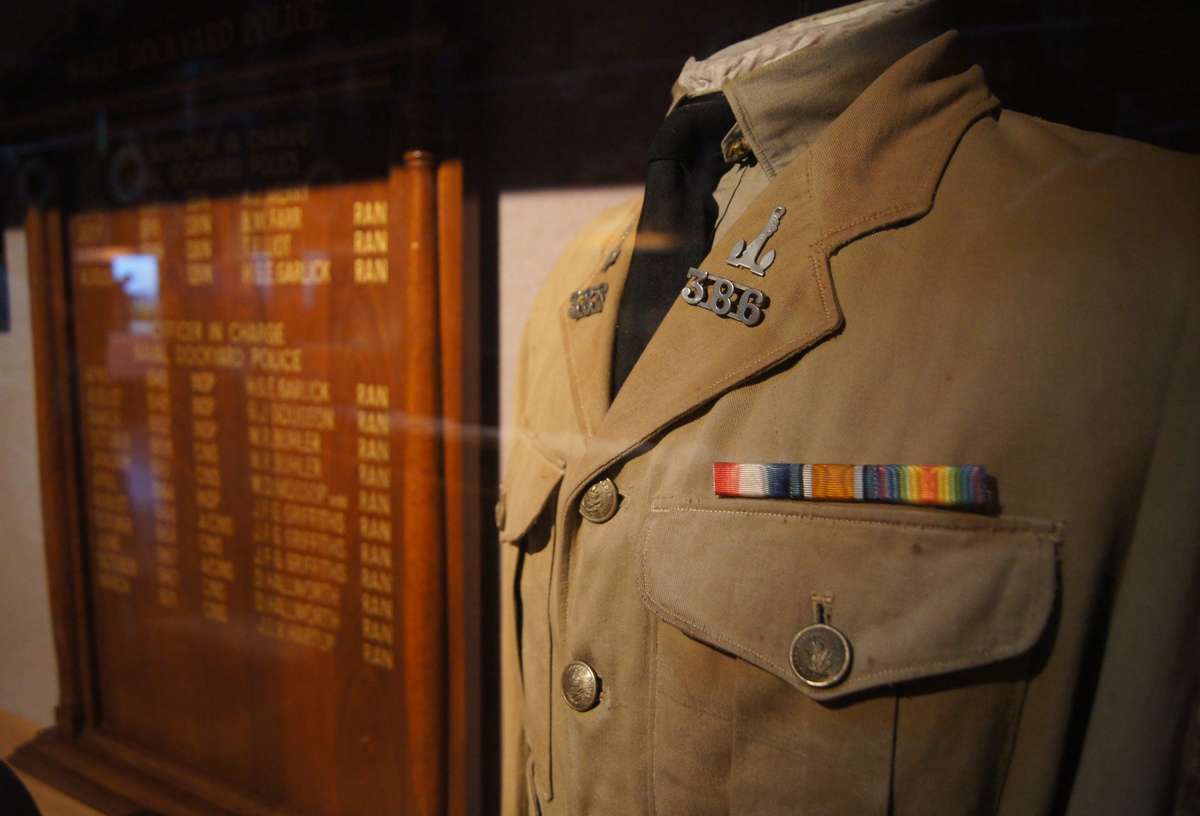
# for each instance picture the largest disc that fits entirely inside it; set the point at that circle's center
(954, 284)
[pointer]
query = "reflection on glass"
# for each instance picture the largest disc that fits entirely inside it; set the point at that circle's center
(137, 275)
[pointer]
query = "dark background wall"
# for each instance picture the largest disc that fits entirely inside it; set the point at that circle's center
(572, 92)
(552, 92)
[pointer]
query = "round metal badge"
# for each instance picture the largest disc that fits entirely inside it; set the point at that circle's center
(820, 655)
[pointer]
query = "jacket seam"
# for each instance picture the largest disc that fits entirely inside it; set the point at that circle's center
(1048, 530)
(1012, 747)
(652, 662)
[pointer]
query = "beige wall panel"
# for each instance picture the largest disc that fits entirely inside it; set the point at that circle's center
(28, 683)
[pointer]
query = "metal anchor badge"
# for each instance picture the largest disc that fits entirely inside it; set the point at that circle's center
(734, 300)
(746, 257)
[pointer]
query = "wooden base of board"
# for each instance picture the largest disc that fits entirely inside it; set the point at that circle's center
(50, 759)
(123, 782)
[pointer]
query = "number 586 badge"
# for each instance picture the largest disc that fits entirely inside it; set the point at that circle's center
(733, 300)
(724, 298)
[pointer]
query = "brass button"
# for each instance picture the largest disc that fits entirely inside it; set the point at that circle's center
(599, 502)
(734, 147)
(580, 685)
(820, 655)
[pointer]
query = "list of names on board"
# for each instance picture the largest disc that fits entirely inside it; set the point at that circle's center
(237, 378)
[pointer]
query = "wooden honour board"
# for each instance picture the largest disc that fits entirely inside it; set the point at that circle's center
(268, 434)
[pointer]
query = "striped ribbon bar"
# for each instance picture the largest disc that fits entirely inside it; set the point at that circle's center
(939, 485)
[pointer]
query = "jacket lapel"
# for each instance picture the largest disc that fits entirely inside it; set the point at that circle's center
(695, 355)
(588, 341)
(877, 165)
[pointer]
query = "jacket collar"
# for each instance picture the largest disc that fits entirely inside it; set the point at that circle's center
(788, 84)
(875, 165)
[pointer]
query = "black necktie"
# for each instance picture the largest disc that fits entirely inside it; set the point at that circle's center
(675, 228)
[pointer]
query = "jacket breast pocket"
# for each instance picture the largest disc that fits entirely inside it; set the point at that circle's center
(839, 659)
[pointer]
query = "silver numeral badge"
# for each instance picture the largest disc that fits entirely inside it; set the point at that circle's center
(725, 298)
(587, 301)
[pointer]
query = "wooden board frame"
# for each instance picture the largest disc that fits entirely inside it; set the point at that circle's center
(77, 754)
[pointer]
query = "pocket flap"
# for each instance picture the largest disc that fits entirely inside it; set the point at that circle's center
(916, 592)
(530, 478)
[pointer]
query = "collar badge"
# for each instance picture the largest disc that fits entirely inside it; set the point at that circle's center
(745, 256)
(724, 297)
(587, 301)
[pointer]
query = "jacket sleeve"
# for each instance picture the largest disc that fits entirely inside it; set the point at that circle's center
(1148, 678)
